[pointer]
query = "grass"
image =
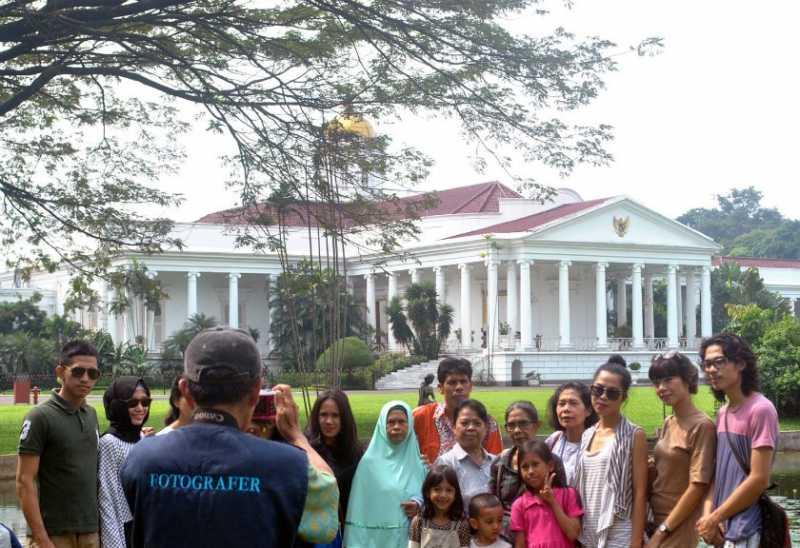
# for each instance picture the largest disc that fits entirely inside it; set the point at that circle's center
(643, 407)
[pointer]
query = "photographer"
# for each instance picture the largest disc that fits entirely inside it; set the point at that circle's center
(210, 483)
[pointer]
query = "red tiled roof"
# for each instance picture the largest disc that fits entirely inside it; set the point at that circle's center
(477, 198)
(758, 262)
(524, 224)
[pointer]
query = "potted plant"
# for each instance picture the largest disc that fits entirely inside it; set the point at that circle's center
(504, 329)
(635, 367)
(534, 378)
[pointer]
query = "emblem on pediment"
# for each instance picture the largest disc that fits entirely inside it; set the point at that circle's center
(621, 225)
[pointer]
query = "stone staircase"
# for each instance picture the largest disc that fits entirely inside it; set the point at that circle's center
(411, 377)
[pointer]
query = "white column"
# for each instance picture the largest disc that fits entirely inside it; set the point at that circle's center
(705, 303)
(191, 293)
(370, 299)
(691, 306)
(102, 310)
(601, 307)
(491, 301)
(622, 302)
(111, 317)
(439, 273)
(512, 300)
(525, 309)
(636, 307)
(391, 294)
(150, 320)
(348, 285)
(466, 306)
(672, 306)
(414, 273)
(649, 313)
(233, 299)
(563, 304)
(679, 297)
(268, 318)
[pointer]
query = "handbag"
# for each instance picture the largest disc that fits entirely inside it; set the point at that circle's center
(774, 521)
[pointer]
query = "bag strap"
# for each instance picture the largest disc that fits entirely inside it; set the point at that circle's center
(734, 449)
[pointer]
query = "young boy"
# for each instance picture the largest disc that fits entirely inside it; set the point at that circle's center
(486, 517)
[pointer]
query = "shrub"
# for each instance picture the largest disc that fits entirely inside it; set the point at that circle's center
(350, 352)
(779, 365)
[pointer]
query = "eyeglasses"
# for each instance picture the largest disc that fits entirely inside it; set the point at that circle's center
(613, 394)
(519, 425)
(716, 363)
(79, 372)
(133, 402)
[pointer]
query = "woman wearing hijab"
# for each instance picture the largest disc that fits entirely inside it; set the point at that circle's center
(387, 484)
(127, 405)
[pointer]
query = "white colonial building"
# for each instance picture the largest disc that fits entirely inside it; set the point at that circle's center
(537, 279)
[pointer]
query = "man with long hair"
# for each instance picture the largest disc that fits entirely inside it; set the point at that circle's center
(747, 435)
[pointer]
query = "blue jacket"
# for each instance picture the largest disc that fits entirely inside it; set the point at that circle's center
(209, 484)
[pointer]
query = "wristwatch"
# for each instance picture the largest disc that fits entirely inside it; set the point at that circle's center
(664, 529)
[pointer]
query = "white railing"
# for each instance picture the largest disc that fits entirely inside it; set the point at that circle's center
(656, 343)
(620, 343)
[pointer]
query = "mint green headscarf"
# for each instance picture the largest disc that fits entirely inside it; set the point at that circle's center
(387, 475)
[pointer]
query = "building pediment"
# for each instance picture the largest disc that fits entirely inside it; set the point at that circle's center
(621, 221)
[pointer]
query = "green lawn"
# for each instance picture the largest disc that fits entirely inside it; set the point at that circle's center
(643, 408)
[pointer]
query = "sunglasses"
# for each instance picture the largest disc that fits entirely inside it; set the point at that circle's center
(79, 372)
(133, 402)
(613, 394)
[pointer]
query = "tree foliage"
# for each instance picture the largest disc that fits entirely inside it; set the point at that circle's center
(732, 285)
(349, 353)
(175, 345)
(91, 98)
(303, 308)
(779, 365)
(422, 324)
(744, 228)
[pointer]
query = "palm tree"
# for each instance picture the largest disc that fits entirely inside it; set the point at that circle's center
(430, 321)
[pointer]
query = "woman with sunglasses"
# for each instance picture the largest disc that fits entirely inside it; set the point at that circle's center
(684, 454)
(127, 405)
(611, 472)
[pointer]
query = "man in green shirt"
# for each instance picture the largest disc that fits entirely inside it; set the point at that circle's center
(58, 450)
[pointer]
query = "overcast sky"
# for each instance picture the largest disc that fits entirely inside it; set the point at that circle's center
(718, 108)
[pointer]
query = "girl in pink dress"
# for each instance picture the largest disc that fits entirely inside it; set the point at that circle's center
(548, 514)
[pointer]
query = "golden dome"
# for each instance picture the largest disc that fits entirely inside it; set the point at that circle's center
(351, 123)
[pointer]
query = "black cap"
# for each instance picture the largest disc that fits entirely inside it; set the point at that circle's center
(222, 355)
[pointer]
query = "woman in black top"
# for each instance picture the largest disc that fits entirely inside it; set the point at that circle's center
(332, 433)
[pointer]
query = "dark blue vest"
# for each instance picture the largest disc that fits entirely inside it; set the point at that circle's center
(209, 484)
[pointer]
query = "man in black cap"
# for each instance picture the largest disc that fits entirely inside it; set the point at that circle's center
(210, 483)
